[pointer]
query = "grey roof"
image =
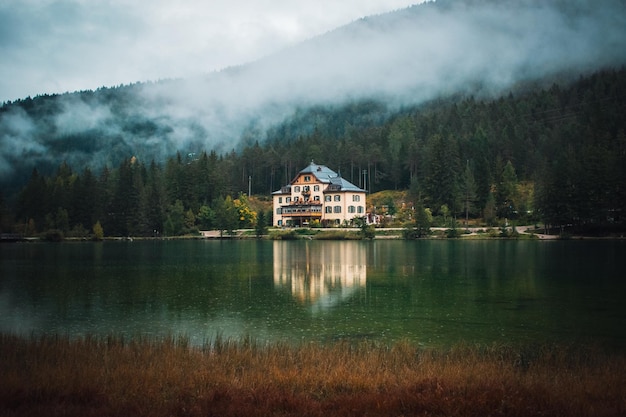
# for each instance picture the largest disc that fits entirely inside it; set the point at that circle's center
(321, 172)
(345, 184)
(326, 175)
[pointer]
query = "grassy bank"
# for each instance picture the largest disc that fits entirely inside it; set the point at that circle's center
(55, 376)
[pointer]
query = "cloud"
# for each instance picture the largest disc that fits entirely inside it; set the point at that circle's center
(54, 46)
(17, 132)
(405, 57)
(447, 47)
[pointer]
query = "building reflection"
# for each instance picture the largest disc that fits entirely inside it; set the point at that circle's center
(320, 274)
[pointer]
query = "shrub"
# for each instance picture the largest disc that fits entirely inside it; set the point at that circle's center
(492, 232)
(453, 233)
(283, 235)
(78, 231)
(338, 235)
(53, 235)
(415, 233)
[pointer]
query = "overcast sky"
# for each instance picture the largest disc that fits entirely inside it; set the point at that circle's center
(55, 46)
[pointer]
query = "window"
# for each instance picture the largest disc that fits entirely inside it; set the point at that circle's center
(328, 209)
(316, 188)
(356, 197)
(316, 198)
(337, 209)
(296, 198)
(361, 209)
(288, 200)
(307, 188)
(351, 209)
(328, 198)
(280, 200)
(337, 198)
(296, 189)
(279, 210)
(307, 178)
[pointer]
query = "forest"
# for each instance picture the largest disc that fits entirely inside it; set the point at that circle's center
(554, 154)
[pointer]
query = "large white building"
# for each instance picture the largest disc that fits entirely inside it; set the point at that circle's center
(317, 193)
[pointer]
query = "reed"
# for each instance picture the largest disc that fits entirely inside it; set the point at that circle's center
(104, 376)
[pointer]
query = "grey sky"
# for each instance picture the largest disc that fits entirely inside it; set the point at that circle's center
(55, 46)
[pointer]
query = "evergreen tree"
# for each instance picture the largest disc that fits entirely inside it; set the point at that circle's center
(400, 136)
(125, 216)
(86, 199)
(226, 215)
(33, 201)
(507, 192)
(468, 192)
(422, 221)
(489, 212)
(175, 220)
(206, 217)
(153, 201)
(441, 173)
(260, 227)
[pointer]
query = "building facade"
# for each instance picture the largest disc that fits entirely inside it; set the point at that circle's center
(317, 194)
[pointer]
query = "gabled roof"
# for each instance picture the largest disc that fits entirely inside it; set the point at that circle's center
(344, 184)
(321, 172)
(325, 175)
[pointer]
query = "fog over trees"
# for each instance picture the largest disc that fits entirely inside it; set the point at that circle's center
(475, 106)
(556, 155)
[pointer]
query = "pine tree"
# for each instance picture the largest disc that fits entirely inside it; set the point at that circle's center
(468, 191)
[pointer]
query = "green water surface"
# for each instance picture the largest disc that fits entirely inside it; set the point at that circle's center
(433, 292)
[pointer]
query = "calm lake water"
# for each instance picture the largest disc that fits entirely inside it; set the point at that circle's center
(435, 293)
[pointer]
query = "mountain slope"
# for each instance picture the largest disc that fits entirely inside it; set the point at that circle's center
(480, 47)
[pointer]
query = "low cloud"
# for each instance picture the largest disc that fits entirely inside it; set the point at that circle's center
(406, 57)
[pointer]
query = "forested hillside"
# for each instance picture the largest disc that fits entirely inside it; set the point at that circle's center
(478, 108)
(554, 154)
(354, 77)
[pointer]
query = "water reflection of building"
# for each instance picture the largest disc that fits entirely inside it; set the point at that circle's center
(321, 274)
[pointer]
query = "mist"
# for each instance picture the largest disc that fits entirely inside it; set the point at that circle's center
(478, 47)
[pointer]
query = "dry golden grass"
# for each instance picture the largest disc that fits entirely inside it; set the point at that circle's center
(55, 376)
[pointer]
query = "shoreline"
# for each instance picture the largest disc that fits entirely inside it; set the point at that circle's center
(392, 233)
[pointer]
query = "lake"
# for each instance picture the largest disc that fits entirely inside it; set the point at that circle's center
(431, 292)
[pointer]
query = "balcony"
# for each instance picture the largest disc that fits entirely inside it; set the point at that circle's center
(305, 203)
(308, 210)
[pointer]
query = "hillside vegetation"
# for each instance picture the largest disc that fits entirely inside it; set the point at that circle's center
(555, 155)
